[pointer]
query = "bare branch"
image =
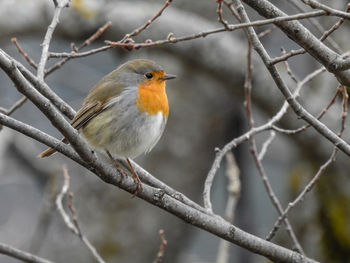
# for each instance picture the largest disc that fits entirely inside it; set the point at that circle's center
(233, 190)
(41, 137)
(301, 196)
(42, 87)
(299, 6)
(295, 105)
(219, 12)
(245, 137)
(332, 61)
(172, 40)
(316, 5)
(25, 55)
(248, 106)
(266, 144)
(73, 226)
(301, 51)
(280, 83)
(162, 247)
(321, 170)
(87, 42)
(48, 37)
(266, 32)
(143, 27)
(15, 106)
(319, 116)
(21, 255)
(289, 71)
(96, 35)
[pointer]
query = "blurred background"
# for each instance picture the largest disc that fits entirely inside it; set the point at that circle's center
(206, 111)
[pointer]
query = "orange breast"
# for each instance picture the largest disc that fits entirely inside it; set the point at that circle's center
(152, 98)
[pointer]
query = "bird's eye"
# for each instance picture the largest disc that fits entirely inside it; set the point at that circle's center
(149, 75)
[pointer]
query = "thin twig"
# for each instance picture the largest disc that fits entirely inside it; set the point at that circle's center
(21, 255)
(265, 145)
(331, 11)
(73, 212)
(73, 225)
(219, 12)
(144, 26)
(41, 137)
(86, 43)
(124, 42)
(267, 31)
(299, 6)
(220, 153)
(16, 106)
(96, 35)
(289, 71)
(233, 190)
(335, 26)
(321, 170)
(48, 37)
(301, 196)
(112, 44)
(324, 36)
(252, 143)
(162, 247)
(299, 110)
(25, 55)
(319, 117)
(345, 109)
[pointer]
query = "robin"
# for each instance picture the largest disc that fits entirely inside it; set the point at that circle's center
(125, 112)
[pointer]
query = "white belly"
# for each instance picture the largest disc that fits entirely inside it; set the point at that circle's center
(139, 137)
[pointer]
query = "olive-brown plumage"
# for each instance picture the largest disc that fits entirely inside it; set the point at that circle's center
(126, 111)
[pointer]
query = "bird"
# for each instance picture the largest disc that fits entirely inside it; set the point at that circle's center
(125, 113)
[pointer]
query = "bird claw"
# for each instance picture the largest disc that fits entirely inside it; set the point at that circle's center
(138, 183)
(122, 173)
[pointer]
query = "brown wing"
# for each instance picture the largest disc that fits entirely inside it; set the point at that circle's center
(93, 104)
(86, 113)
(82, 117)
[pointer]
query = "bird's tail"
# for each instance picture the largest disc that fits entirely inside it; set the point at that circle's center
(48, 152)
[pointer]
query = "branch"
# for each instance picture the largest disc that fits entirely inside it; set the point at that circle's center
(266, 145)
(25, 55)
(163, 244)
(48, 37)
(172, 39)
(300, 7)
(301, 196)
(73, 226)
(253, 148)
(15, 106)
(233, 190)
(21, 255)
(143, 27)
(323, 38)
(314, 4)
(332, 61)
(295, 105)
(253, 131)
(321, 170)
(87, 42)
(40, 137)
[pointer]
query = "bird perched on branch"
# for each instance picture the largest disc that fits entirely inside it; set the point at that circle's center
(125, 113)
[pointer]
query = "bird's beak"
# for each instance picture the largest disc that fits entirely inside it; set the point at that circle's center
(167, 77)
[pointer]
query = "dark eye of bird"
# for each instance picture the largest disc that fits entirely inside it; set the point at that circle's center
(149, 75)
